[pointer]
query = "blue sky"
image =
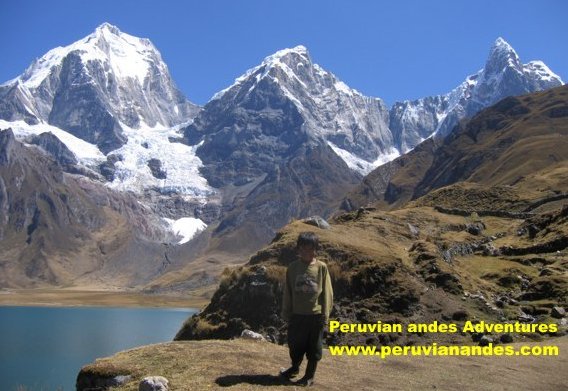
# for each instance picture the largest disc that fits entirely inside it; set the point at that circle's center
(394, 50)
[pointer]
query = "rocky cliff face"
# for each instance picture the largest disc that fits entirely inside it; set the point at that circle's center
(52, 145)
(269, 142)
(318, 107)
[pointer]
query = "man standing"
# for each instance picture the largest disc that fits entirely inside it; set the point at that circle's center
(307, 302)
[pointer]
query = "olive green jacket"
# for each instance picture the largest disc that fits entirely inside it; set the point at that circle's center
(307, 290)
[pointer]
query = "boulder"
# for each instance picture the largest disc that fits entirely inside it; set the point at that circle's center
(488, 249)
(485, 340)
(153, 383)
(414, 231)
(475, 228)
(88, 381)
(546, 272)
(526, 318)
(506, 338)
(155, 166)
(460, 315)
(249, 334)
(317, 221)
(476, 337)
(558, 312)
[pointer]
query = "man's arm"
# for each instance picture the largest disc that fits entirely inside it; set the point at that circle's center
(286, 298)
(327, 294)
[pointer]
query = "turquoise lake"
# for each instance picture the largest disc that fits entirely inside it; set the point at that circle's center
(43, 348)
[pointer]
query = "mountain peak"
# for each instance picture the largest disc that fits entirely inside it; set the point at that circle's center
(122, 74)
(500, 42)
(107, 27)
(291, 57)
(501, 56)
(300, 50)
(287, 60)
(111, 33)
(128, 56)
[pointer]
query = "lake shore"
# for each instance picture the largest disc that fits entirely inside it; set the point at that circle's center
(44, 347)
(96, 298)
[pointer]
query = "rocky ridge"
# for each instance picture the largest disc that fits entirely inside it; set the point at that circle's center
(517, 141)
(414, 265)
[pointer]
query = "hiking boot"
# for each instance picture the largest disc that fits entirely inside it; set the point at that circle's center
(308, 379)
(290, 372)
(305, 382)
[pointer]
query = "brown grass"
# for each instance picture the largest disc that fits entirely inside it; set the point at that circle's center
(246, 365)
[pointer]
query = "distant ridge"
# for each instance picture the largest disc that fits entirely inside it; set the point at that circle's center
(503, 145)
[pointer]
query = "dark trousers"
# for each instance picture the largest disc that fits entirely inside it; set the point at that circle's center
(305, 336)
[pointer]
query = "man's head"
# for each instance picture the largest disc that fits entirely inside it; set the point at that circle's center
(307, 245)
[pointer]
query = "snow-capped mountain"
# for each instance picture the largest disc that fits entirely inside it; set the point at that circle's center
(109, 94)
(257, 137)
(503, 75)
(96, 86)
(110, 100)
(355, 126)
(362, 130)
(287, 140)
(265, 143)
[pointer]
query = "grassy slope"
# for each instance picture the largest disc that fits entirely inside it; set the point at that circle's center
(381, 269)
(245, 365)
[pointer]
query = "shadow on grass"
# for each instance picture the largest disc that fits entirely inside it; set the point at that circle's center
(259, 380)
